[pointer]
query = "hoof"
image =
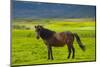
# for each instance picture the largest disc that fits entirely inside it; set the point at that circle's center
(68, 57)
(48, 58)
(72, 57)
(52, 59)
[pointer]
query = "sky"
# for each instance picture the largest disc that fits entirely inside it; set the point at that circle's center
(37, 10)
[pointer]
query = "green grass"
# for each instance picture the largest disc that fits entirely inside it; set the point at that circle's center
(26, 49)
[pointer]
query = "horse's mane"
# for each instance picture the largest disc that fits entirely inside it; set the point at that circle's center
(46, 33)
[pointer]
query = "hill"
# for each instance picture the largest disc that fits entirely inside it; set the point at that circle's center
(36, 10)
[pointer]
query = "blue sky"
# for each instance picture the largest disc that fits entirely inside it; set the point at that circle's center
(25, 9)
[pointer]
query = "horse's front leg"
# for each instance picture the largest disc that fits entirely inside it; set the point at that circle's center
(51, 53)
(48, 51)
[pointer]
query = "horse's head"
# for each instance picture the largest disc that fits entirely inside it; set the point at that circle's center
(37, 30)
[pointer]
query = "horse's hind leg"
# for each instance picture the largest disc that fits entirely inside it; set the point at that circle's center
(69, 51)
(73, 49)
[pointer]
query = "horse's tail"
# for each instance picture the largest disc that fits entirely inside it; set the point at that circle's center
(79, 42)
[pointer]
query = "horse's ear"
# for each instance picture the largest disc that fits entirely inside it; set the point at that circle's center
(35, 26)
(41, 26)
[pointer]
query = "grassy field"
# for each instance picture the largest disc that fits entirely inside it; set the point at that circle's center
(26, 49)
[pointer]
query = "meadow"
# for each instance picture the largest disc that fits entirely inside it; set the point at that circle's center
(27, 50)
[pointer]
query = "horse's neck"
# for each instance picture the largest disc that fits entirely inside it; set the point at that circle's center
(45, 33)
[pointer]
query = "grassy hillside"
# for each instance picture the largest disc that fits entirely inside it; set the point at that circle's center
(26, 49)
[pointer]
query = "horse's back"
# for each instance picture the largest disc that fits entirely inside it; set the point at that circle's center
(53, 41)
(60, 36)
(59, 39)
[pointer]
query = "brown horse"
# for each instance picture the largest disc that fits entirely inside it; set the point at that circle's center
(52, 38)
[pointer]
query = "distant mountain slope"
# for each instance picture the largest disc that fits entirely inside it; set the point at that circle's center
(35, 10)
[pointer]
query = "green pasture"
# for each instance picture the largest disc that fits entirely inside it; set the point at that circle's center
(26, 49)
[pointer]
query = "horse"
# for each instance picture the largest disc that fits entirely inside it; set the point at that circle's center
(58, 39)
